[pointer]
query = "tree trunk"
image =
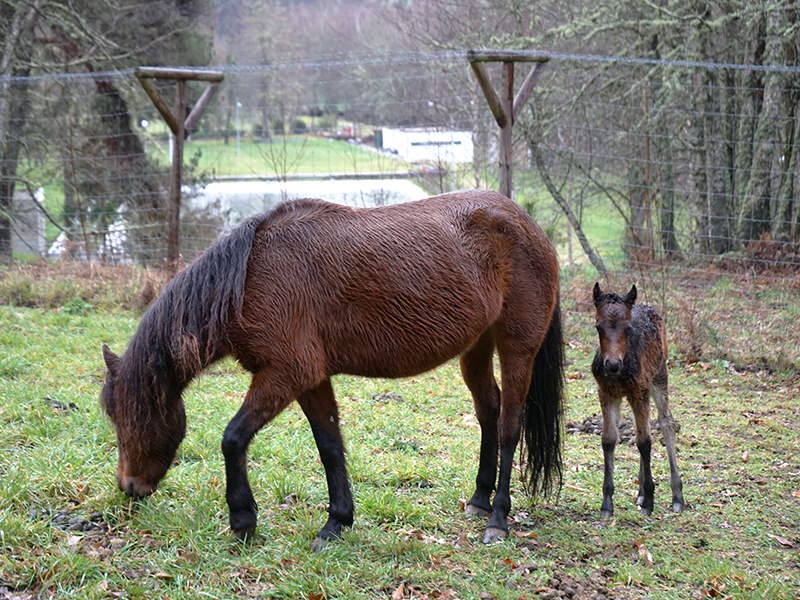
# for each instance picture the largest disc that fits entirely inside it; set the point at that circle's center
(718, 207)
(9, 155)
(755, 214)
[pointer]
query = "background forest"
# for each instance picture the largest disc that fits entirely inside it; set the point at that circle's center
(666, 130)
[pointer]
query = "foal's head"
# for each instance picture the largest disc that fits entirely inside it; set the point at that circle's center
(613, 324)
(149, 428)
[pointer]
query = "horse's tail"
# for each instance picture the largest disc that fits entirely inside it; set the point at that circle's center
(541, 415)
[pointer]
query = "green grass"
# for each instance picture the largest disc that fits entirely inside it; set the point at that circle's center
(412, 458)
(284, 155)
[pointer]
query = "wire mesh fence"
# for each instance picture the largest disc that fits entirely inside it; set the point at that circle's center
(682, 177)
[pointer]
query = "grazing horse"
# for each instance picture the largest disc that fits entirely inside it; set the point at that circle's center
(631, 361)
(312, 289)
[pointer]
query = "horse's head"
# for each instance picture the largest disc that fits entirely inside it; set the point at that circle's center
(149, 430)
(613, 324)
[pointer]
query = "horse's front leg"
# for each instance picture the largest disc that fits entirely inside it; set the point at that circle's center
(319, 406)
(640, 404)
(258, 408)
(610, 408)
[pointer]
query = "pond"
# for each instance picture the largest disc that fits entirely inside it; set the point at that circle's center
(238, 200)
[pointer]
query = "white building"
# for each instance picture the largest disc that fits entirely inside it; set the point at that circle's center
(433, 145)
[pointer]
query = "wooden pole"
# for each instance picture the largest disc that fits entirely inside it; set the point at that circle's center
(181, 126)
(173, 227)
(504, 106)
(505, 150)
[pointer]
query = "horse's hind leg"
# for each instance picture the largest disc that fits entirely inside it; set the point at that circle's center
(640, 404)
(319, 406)
(516, 379)
(476, 368)
(667, 424)
(610, 407)
(260, 405)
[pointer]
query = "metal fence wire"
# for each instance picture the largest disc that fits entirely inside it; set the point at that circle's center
(683, 177)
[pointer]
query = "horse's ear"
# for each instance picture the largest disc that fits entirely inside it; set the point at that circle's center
(597, 295)
(111, 359)
(630, 297)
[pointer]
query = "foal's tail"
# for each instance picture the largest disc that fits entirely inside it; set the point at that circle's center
(541, 415)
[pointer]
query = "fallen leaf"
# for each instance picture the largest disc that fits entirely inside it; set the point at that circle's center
(400, 592)
(745, 456)
(781, 540)
(462, 504)
(644, 553)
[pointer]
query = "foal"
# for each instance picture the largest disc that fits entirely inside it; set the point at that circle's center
(631, 362)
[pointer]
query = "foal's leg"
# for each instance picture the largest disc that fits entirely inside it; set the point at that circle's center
(319, 406)
(658, 389)
(610, 407)
(640, 404)
(477, 370)
(261, 404)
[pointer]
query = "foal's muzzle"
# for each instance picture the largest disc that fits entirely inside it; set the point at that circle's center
(613, 367)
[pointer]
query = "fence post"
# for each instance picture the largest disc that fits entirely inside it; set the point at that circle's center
(181, 126)
(506, 108)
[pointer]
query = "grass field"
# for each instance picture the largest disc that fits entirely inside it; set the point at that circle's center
(283, 155)
(67, 532)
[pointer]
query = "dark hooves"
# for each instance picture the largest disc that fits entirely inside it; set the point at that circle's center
(471, 510)
(493, 535)
(319, 544)
(677, 507)
(246, 534)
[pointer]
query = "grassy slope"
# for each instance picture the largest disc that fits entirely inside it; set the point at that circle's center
(411, 460)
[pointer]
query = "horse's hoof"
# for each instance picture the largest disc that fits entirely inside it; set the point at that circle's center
(493, 535)
(677, 507)
(645, 512)
(319, 544)
(639, 500)
(476, 511)
(246, 534)
(605, 515)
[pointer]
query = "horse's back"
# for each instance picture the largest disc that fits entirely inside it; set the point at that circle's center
(387, 291)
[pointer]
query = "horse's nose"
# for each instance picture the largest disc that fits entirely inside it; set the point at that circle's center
(134, 486)
(613, 366)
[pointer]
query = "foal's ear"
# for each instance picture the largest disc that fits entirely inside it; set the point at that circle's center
(630, 297)
(597, 295)
(111, 359)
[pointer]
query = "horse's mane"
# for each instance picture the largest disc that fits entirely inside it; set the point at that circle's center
(181, 332)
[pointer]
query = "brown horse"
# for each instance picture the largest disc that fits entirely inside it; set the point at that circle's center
(312, 289)
(631, 361)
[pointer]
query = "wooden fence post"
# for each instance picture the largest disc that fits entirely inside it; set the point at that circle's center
(506, 107)
(181, 126)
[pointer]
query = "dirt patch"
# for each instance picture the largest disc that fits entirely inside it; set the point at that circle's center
(594, 426)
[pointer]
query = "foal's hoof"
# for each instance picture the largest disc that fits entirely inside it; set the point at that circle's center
(472, 510)
(605, 515)
(677, 507)
(493, 535)
(645, 512)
